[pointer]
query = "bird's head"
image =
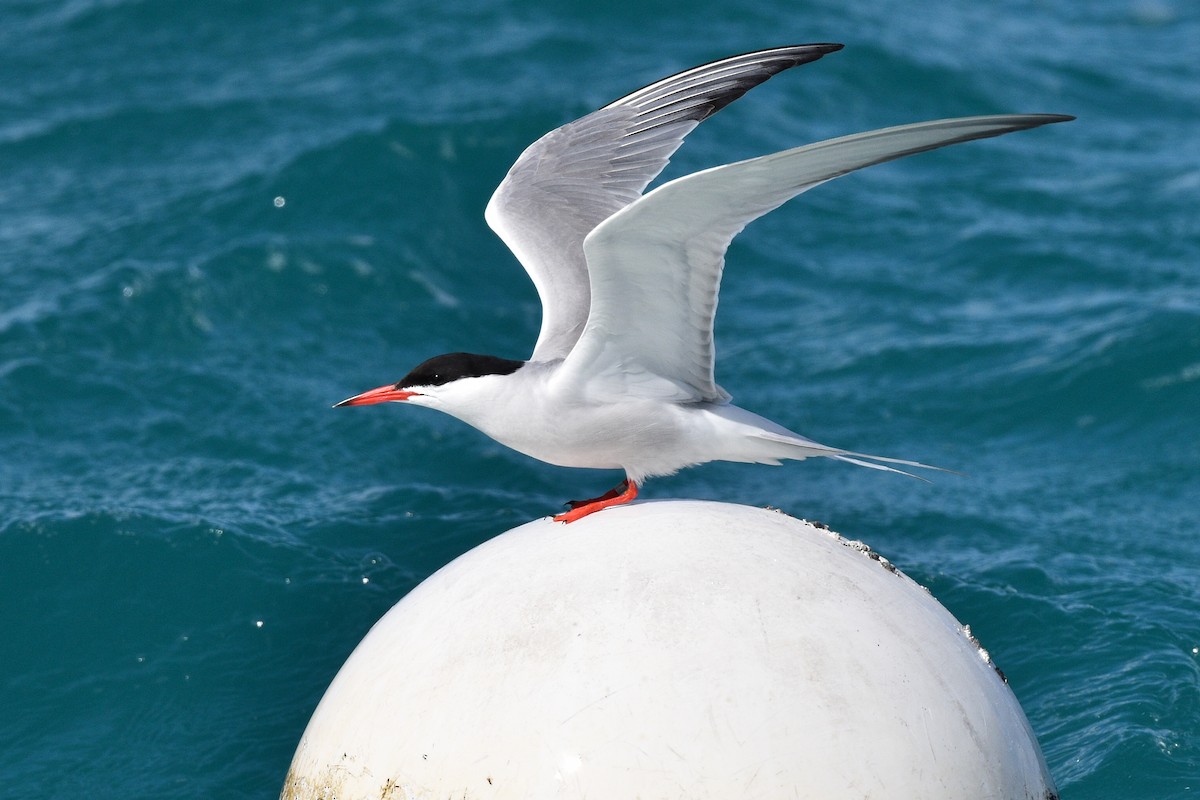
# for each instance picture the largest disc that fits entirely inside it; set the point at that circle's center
(437, 382)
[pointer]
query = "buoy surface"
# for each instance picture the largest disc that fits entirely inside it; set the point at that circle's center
(669, 649)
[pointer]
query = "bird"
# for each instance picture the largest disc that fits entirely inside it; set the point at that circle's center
(622, 375)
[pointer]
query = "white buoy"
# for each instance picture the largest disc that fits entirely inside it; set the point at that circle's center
(673, 649)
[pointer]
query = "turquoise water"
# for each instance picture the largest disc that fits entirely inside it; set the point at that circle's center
(216, 220)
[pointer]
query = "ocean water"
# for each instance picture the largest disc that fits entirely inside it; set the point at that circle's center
(218, 219)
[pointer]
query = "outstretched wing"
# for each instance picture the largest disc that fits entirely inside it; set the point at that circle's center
(656, 265)
(573, 178)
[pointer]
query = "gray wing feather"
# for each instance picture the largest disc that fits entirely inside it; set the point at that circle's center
(656, 265)
(573, 178)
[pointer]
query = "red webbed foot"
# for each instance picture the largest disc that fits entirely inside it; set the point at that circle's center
(609, 495)
(624, 492)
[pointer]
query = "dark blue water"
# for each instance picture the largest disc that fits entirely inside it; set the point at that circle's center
(217, 219)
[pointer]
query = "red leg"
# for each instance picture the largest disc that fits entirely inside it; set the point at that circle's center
(625, 492)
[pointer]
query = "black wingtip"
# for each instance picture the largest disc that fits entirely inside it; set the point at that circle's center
(819, 48)
(1038, 120)
(790, 55)
(701, 91)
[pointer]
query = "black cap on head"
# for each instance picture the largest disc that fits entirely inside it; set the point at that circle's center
(441, 370)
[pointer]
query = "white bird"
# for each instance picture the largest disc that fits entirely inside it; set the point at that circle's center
(622, 375)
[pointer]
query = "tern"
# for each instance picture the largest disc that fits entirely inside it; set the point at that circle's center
(622, 374)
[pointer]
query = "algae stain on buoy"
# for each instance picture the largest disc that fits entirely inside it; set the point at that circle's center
(667, 649)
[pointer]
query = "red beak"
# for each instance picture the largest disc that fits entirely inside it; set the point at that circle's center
(383, 394)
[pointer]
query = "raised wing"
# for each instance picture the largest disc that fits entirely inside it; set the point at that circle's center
(656, 266)
(573, 178)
